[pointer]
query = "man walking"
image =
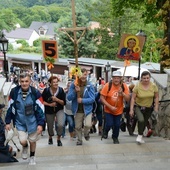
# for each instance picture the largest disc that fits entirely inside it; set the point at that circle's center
(82, 97)
(26, 110)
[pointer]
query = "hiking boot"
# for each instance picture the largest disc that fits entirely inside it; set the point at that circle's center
(32, 160)
(139, 139)
(105, 134)
(59, 143)
(50, 141)
(115, 141)
(79, 142)
(24, 152)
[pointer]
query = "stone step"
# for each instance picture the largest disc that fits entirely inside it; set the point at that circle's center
(99, 154)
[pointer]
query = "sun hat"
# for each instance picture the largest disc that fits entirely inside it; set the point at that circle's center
(116, 74)
(2, 106)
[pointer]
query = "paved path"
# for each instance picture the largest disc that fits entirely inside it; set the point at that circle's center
(98, 154)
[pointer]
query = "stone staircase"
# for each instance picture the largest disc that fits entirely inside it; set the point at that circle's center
(98, 154)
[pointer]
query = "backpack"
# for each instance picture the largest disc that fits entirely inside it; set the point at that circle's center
(110, 86)
(14, 93)
(6, 156)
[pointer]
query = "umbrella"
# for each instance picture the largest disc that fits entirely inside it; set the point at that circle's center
(131, 71)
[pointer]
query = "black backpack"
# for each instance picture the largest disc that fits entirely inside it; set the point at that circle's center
(14, 93)
(5, 155)
(110, 86)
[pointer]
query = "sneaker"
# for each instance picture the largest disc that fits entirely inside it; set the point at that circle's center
(59, 143)
(24, 152)
(139, 139)
(32, 160)
(79, 143)
(87, 137)
(149, 133)
(50, 141)
(115, 141)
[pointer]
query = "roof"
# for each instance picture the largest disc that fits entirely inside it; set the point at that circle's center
(154, 67)
(32, 57)
(100, 62)
(19, 33)
(25, 57)
(81, 60)
(49, 26)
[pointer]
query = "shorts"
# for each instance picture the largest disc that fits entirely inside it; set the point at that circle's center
(24, 136)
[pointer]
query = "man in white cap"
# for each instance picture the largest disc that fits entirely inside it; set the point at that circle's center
(112, 96)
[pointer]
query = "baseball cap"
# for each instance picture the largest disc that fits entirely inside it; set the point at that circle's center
(116, 74)
(2, 106)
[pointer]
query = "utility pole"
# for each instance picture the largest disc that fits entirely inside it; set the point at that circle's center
(74, 29)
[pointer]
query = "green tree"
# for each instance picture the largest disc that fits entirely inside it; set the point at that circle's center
(130, 21)
(8, 20)
(86, 45)
(56, 12)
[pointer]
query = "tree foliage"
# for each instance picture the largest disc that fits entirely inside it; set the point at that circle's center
(8, 19)
(153, 11)
(86, 45)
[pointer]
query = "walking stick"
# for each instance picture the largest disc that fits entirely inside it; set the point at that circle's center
(15, 145)
(126, 63)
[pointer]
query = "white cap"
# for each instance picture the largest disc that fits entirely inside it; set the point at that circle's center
(117, 74)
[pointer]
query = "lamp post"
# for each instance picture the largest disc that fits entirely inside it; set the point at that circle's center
(107, 69)
(140, 33)
(4, 49)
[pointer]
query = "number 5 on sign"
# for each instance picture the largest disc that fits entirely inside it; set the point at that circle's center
(50, 48)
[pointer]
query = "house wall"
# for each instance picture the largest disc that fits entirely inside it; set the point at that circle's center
(33, 37)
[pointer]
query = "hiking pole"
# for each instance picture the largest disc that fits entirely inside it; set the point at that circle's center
(15, 145)
(126, 64)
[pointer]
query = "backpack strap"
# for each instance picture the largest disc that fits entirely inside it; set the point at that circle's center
(14, 94)
(110, 86)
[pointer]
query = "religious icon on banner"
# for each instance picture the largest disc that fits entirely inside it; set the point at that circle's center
(130, 47)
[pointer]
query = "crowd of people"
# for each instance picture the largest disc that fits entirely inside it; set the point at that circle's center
(80, 105)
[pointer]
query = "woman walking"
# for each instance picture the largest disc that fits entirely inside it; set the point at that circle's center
(145, 93)
(54, 101)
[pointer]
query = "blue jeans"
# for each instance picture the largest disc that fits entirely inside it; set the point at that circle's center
(99, 118)
(70, 120)
(113, 122)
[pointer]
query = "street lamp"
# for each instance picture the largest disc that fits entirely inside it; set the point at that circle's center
(107, 69)
(140, 33)
(4, 49)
